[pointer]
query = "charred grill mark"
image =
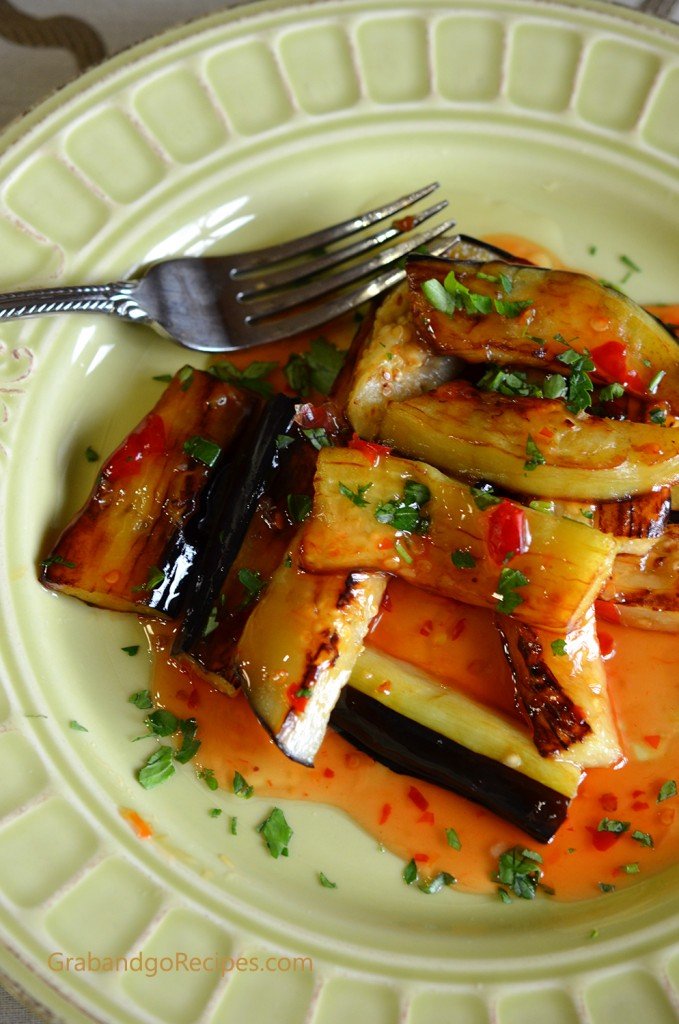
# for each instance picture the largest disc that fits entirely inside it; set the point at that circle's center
(555, 720)
(645, 516)
(348, 592)
(323, 658)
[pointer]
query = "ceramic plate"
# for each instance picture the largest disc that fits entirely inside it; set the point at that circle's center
(553, 120)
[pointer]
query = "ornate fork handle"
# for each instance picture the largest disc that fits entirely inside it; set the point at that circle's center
(116, 298)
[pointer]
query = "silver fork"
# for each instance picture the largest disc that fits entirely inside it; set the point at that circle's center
(224, 303)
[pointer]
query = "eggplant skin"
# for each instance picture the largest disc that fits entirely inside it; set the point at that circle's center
(484, 435)
(562, 304)
(145, 495)
(557, 723)
(409, 748)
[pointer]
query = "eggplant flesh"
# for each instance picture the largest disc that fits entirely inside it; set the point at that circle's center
(132, 546)
(483, 434)
(392, 363)
(645, 588)
(409, 748)
(562, 305)
(565, 565)
(299, 647)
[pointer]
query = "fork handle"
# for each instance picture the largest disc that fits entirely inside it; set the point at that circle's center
(116, 298)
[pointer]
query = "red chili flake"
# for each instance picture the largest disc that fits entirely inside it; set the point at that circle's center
(638, 792)
(384, 813)
(194, 699)
(139, 825)
(639, 805)
(653, 741)
(608, 611)
(385, 544)
(147, 439)
(387, 603)
(606, 644)
(427, 628)
(319, 417)
(406, 223)
(603, 840)
(420, 858)
(328, 773)
(371, 449)
(298, 700)
(609, 801)
(456, 631)
(508, 532)
(419, 799)
(385, 687)
(426, 819)
(610, 360)
(546, 432)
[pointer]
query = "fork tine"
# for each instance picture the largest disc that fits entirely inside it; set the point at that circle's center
(311, 267)
(279, 303)
(298, 246)
(287, 326)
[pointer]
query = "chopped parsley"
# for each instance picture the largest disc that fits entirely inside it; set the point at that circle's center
(654, 382)
(163, 378)
(91, 455)
(632, 268)
(503, 895)
(667, 790)
(534, 458)
(208, 777)
(631, 869)
(611, 392)
(462, 559)
(511, 309)
(452, 295)
(76, 726)
(276, 833)
(299, 507)
(158, 768)
(405, 513)
(284, 441)
(555, 386)
(508, 583)
(520, 870)
(155, 577)
(131, 651)
(580, 385)
(606, 887)
(314, 370)
(212, 621)
(215, 812)
(57, 560)
(241, 787)
(252, 378)
(253, 583)
(357, 497)
(484, 497)
(542, 506)
(558, 647)
(435, 884)
(453, 839)
(233, 826)
(612, 825)
(141, 699)
(508, 382)
(318, 437)
(189, 745)
(592, 250)
(410, 872)
(325, 881)
(658, 416)
(162, 723)
(645, 838)
(402, 551)
(185, 377)
(203, 450)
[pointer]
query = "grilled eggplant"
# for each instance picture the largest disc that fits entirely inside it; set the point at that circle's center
(535, 315)
(531, 445)
(392, 363)
(132, 541)
(298, 648)
(645, 588)
(560, 685)
(450, 713)
(355, 524)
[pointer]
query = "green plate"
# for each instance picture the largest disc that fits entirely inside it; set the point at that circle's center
(558, 121)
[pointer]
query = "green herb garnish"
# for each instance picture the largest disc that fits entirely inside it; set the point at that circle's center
(405, 513)
(241, 787)
(57, 560)
(667, 790)
(611, 392)
(233, 826)
(299, 507)
(318, 437)
(156, 576)
(314, 370)
(612, 825)
(580, 385)
(631, 869)
(325, 881)
(189, 745)
(276, 833)
(645, 838)
(507, 584)
(410, 872)
(185, 377)
(520, 870)
(131, 651)
(357, 497)
(208, 777)
(76, 726)
(141, 699)
(284, 441)
(203, 450)
(252, 378)
(463, 559)
(535, 457)
(163, 378)
(158, 768)
(558, 647)
(658, 416)
(215, 812)
(654, 382)
(91, 455)
(484, 497)
(606, 886)
(453, 839)
(253, 583)
(435, 884)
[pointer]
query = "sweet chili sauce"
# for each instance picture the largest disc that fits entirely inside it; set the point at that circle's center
(460, 646)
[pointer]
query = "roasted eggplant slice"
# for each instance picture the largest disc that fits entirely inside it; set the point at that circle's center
(531, 445)
(535, 315)
(132, 546)
(392, 363)
(244, 482)
(298, 648)
(407, 747)
(645, 588)
(367, 517)
(560, 685)
(451, 713)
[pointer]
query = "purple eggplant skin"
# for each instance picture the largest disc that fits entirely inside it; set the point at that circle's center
(408, 748)
(242, 482)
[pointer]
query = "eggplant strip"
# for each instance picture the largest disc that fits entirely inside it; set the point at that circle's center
(409, 748)
(562, 305)
(298, 648)
(145, 505)
(485, 435)
(564, 567)
(410, 692)
(645, 588)
(243, 482)
(393, 363)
